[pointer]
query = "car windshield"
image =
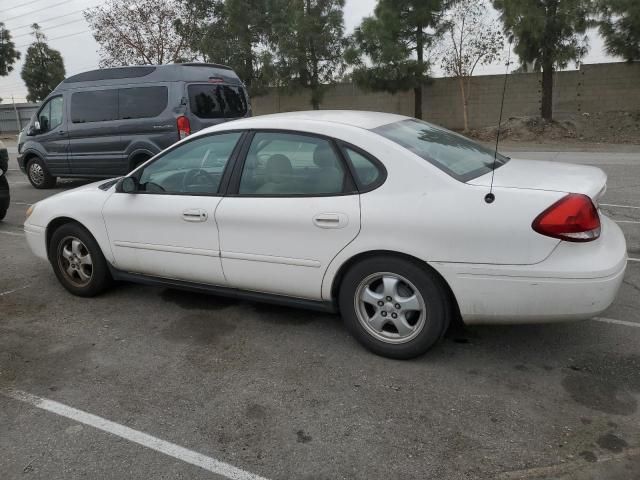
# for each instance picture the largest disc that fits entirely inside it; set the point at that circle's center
(456, 155)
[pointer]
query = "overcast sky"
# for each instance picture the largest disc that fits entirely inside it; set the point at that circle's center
(64, 25)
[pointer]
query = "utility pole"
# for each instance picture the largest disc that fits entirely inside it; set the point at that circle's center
(15, 109)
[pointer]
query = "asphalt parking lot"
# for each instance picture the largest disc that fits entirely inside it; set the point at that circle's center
(154, 383)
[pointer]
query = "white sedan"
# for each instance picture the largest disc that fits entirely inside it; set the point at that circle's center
(382, 217)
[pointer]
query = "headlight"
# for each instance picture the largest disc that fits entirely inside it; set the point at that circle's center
(30, 211)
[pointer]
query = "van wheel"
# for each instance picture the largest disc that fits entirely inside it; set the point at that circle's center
(394, 307)
(38, 174)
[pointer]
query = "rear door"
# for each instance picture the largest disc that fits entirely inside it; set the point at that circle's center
(214, 103)
(291, 208)
(95, 143)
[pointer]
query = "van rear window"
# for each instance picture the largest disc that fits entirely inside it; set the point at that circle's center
(141, 102)
(217, 101)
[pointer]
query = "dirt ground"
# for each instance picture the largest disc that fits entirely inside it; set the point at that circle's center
(600, 127)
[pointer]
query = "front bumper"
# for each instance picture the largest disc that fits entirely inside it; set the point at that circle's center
(36, 239)
(576, 282)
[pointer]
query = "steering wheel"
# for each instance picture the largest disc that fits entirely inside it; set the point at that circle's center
(197, 176)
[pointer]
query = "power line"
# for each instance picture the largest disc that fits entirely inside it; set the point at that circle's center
(19, 6)
(50, 28)
(39, 10)
(53, 18)
(56, 38)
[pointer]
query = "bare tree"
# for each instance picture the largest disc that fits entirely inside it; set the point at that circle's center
(471, 38)
(138, 32)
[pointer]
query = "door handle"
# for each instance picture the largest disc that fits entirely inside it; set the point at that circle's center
(61, 132)
(331, 220)
(195, 215)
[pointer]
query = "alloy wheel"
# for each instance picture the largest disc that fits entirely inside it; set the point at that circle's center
(390, 307)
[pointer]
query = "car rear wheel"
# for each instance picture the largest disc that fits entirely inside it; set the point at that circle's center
(38, 174)
(77, 261)
(394, 307)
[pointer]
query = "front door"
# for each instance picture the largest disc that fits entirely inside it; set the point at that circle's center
(53, 136)
(288, 214)
(167, 228)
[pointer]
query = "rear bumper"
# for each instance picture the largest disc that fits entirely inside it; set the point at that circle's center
(577, 281)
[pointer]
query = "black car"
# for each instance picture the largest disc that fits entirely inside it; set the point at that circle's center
(4, 184)
(103, 123)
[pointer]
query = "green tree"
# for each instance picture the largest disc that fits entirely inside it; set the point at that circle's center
(235, 33)
(309, 44)
(547, 34)
(619, 25)
(389, 49)
(43, 67)
(8, 52)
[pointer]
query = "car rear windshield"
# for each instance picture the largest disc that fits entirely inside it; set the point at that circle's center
(456, 155)
(217, 101)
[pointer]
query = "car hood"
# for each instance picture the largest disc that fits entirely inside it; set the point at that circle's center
(550, 176)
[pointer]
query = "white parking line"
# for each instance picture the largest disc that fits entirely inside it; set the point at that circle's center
(21, 203)
(2, 294)
(15, 234)
(618, 206)
(171, 449)
(616, 322)
(627, 221)
(633, 259)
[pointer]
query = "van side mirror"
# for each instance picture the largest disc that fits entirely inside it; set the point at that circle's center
(127, 185)
(34, 129)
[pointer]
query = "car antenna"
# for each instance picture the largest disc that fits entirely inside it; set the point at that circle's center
(490, 197)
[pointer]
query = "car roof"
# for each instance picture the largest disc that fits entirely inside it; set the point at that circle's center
(355, 118)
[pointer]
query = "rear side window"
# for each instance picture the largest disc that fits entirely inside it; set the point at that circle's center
(367, 172)
(94, 106)
(141, 102)
(217, 101)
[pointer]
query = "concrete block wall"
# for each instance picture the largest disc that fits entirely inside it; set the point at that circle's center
(593, 88)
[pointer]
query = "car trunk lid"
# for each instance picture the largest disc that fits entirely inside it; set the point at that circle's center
(549, 176)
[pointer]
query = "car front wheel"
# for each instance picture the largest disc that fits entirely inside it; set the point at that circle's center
(77, 261)
(394, 307)
(38, 174)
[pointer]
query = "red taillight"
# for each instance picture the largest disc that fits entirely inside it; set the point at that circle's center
(573, 218)
(184, 127)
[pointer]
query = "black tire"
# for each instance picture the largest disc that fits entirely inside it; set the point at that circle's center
(4, 202)
(39, 175)
(137, 161)
(431, 321)
(100, 278)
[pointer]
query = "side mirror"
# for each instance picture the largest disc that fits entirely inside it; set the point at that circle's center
(127, 185)
(33, 129)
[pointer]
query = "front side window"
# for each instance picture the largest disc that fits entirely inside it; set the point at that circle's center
(50, 116)
(291, 164)
(217, 101)
(456, 155)
(94, 106)
(195, 167)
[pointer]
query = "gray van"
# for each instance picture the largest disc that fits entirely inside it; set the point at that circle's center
(103, 123)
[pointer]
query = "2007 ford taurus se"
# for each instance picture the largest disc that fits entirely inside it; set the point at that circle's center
(383, 217)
